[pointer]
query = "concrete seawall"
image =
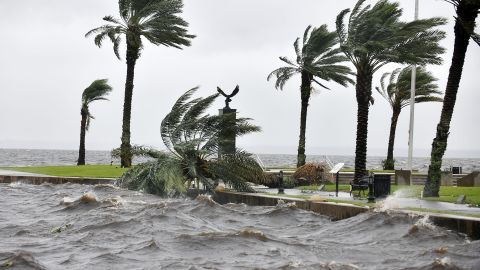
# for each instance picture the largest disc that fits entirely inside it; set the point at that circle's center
(37, 180)
(337, 211)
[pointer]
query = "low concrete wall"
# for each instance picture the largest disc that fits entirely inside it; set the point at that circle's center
(336, 211)
(37, 180)
(467, 225)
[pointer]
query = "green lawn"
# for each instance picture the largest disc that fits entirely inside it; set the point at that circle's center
(447, 193)
(426, 210)
(96, 171)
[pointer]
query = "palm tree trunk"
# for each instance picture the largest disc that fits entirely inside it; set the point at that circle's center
(125, 148)
(305, 91)
(466, 14)
(389, 163)
(83, 129)
(363, 92)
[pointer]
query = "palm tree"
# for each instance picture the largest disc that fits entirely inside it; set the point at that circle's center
(316, 59)
(397, 93)
(98, 90)
(373, 37)
(153, 20)
(192, 140)
(467, 12)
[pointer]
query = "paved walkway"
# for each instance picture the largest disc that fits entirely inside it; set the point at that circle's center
(15, 173)
(391, 202)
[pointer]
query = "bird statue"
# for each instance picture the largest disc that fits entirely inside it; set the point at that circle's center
(228, 97)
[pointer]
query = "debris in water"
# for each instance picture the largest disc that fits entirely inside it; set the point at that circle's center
(220, 187)
(413, 229)
(248, 232)
(441, 250)
(88, 198)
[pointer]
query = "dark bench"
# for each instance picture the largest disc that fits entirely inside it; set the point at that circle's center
(359, 186)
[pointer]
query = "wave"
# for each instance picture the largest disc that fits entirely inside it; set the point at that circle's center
(21, 260)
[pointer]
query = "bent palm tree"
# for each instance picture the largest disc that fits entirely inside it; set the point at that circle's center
(98, 90)
(316, 58)
(467, 12)
(373, 37)
(153, 20)
(192, 139)
(397, 93)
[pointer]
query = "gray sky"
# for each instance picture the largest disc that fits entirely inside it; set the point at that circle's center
(47, 62)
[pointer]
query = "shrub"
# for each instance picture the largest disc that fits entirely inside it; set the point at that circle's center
(312, 173)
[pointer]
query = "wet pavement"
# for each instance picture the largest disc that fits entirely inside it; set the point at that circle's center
(15, 173)
(397, 200)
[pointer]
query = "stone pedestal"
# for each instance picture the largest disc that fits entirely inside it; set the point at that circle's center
(446, 179)
(471, 180)
(403, 177)
(227, 136)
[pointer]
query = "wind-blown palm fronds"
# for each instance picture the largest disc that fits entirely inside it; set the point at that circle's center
(467, 12)
(98, 90)
(316, 60)
(397, 93)
(192, 140)
(374, 36)
(158, 22)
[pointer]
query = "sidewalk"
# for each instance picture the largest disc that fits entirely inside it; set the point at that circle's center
(392, 202)
(15, 173)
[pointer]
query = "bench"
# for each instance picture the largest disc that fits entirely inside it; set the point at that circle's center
(359, 186)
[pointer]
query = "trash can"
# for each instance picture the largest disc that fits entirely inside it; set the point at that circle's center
(456, 170)
(381, 185)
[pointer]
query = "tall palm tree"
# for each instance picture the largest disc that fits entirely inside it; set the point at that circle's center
(397, 93)
(158, 22)
(374, 36)
(98, 90)
(467, 12)
(316, 60)
(192, 139)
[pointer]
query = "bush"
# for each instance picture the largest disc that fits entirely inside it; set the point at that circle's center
(271, 181)
(312, 174)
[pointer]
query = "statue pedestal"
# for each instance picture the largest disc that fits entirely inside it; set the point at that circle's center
(227, 135)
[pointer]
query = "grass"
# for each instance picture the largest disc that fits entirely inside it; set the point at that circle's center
(426, 210)
(447, 193)
(95, 171)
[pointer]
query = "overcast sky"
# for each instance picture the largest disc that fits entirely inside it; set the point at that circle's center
(47, 62)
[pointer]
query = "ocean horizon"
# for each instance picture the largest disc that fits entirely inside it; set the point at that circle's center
(57, 157)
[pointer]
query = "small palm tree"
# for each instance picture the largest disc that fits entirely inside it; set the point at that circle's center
(157, 22)
(375, 36)
(316, 60)
(467, 12)
(192, 139)
(397, 93)
(98, 90)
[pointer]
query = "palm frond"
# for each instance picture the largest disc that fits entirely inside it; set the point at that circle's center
(158, 21)
(238, 169)
(317, 56)
(397, 92)
(376, 36)
(163, 177)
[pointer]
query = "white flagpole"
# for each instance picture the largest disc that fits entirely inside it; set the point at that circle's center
(412, 106)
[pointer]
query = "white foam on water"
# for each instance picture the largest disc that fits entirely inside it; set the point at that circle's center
(67, 200)
(15, 184)
(394, 201)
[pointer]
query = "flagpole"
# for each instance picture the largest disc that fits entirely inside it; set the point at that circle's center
(412, 106)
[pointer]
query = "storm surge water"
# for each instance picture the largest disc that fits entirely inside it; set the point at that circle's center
(103, 227)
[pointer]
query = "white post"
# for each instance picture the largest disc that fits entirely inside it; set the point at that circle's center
(412, 106)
